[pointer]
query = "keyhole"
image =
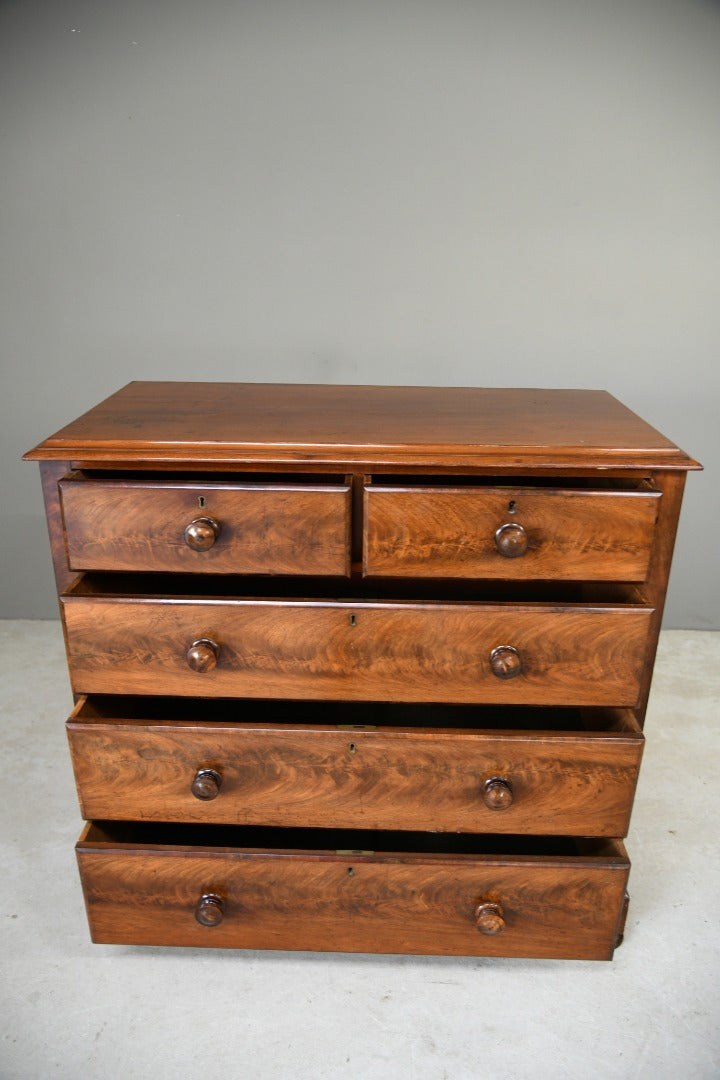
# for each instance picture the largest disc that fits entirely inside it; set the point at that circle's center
(352, 748)
(201, 502)
(353, 620)
(511, 506)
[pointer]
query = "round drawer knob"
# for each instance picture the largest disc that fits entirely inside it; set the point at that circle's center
(203, 655)
(206, 785)
(511, 540)
(505, 662)
(210, 909)
(497, 793)
(489, 918)
(201, 534)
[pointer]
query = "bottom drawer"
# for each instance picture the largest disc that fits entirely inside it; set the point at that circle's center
(258, 888)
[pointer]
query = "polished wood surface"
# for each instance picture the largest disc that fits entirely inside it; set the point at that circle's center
(574, 654)
(201, 534)
(210, 910)
(154, 526)
(205, 786)
(672, 485)
(251, 422)
(511, 539)
(506, 662)
(403, 902)
(429, 778)
(498, 795)
(202, 655)
(345, 610)
(510, 532)
(489, 918)
(50, 474)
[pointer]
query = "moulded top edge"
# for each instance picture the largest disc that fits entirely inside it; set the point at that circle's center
(250, 422)
(484, 458)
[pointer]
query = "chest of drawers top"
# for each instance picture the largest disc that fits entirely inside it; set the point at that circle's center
(428, 427)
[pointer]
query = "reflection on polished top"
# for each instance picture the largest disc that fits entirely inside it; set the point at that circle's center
(445, 426)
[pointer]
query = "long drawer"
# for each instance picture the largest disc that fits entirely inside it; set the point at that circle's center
(302, 889)
(561, 771)
(509, 532)
(495, 653)
(261, 527)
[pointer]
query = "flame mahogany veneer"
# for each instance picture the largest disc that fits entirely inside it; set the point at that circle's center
(359, 668)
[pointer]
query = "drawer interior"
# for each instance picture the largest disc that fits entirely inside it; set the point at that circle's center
(202, 477)
(549, 483)
(346, 842)
(333, 590)
(119, 709)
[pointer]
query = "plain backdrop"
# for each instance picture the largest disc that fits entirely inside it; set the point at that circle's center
(511, 193)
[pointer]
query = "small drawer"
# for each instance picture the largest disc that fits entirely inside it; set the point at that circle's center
(324, 890)
(215, 527)
(455, 652)
(515, 533)
(434, 768)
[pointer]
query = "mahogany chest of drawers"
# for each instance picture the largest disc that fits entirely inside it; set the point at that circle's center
(359, 668)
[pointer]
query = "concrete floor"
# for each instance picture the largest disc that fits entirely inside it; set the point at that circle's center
(73, 1009)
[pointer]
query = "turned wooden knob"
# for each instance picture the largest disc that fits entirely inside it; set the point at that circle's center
(489, 917)
(497, 793)
(201, 534)
(210, 909)
(206, 785)
(203, 655)
(505, 662)
(511, 540)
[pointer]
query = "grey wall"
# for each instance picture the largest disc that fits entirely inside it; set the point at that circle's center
(507, 193)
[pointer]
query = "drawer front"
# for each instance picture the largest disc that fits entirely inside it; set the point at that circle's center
(253, 528)
(570, 655)
(352, 901)
(512, 533)
(539, 783)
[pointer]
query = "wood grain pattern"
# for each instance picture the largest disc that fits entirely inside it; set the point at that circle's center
(580, 783)
(672, 486)
(450, 532)
(50, 474)
(406, 903)
(574, 654)
(149, 422)
(264, 528)
(241, 720)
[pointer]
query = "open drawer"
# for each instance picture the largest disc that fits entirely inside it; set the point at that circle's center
(235, 525)
(509, 530)
(324, 890)
(443, 768)
(573, 645)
